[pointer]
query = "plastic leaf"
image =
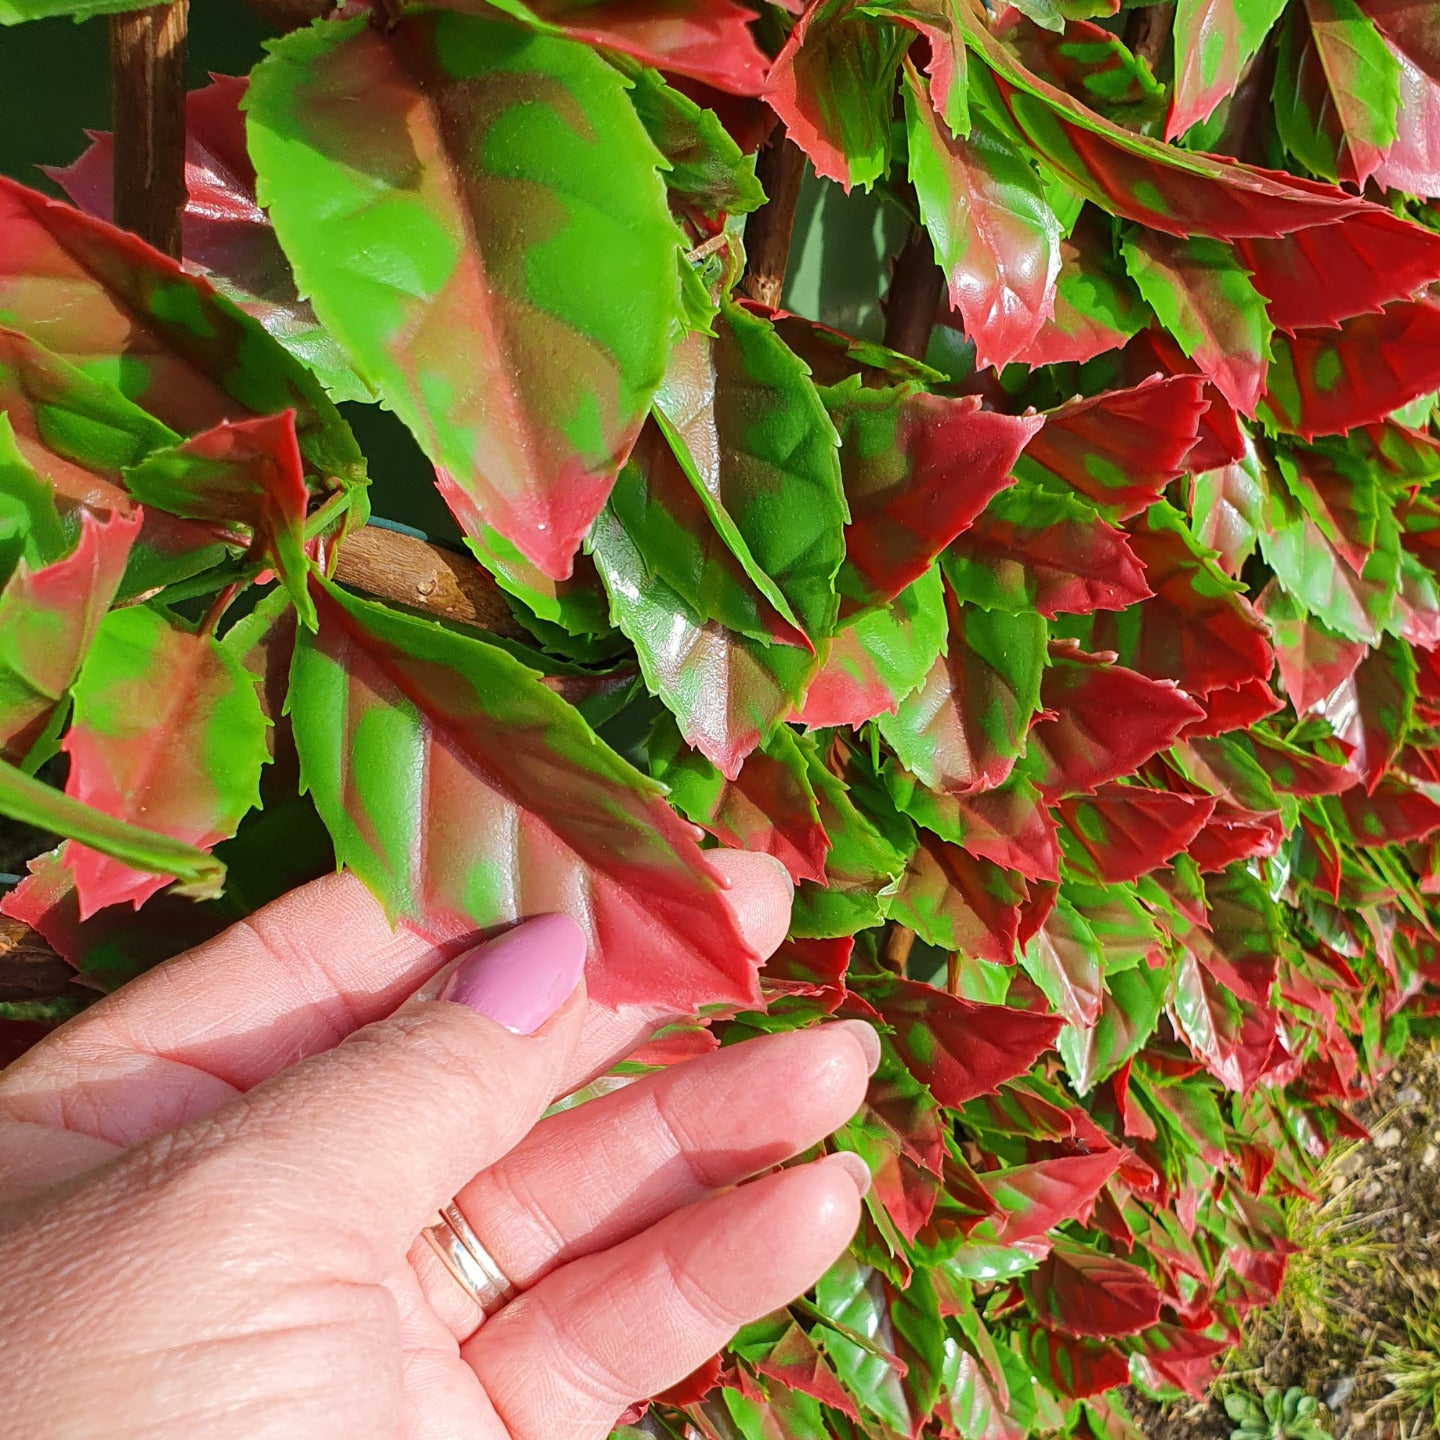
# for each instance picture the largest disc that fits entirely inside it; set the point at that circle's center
(166, 727)
(917, 470)
(1040, 549)
(1207, 302)
(707, 170)
(249, 473)
(832, 85)
(1312, 661)
(798, 1365)
(1215, 41)
(467, 794)
(49, 615)
(1128, 1014)
(15, 12)
(1120, 449)
(956, 1047)
(966, 725)
(1077, 1368)
(531, 406)
(1140, 178)
(960, 902)
(879, 658)
(1065, 960)
(30, 526)
(1125, 831)
(727, 691)
(1095, 306)
(1324, 382)
(1035, 1198)
(224, 232)
(1337, 91)
(996, 238)
(164, 338)
(900, 1134)
(1103, 721)
(750, 432)
(769, 807)
(1227, 506)
(1328, 273)
(1083, 1292)
(1412, 163)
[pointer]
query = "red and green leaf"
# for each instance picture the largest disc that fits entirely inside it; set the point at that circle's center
(532, 407)
(996, 238)
(917, 470)
(167, 729)
(1124, 831)
(1080, 1291)
(960, 902)
(1215, 41)
(467, 794)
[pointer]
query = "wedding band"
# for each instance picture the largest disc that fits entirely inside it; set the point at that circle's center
(473, 1266)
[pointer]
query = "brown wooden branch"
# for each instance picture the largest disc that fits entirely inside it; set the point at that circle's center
(29, 968)
(406, 570)
(779, 167)
(914, 296)
(147, 105)
(1146, 32)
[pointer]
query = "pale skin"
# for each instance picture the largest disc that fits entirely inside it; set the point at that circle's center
(212, 1183)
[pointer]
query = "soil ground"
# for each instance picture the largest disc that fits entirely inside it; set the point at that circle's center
(1358, 1323)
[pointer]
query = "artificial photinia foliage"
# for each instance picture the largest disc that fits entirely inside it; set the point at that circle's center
(1081, 665)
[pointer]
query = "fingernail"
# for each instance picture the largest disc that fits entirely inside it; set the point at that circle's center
(854, 1167)
(521, 978)
(867, 1039)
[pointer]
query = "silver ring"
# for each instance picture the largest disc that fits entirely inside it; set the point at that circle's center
(475, 1269)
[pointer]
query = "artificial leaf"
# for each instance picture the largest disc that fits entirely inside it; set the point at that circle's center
(879, 658)
(1226, 508)
(1119, 449)
(996, 238)
(965, 726)
(533, 406)
(1041, 549)
(917, 470)
(30, 525)
(1065, 960)
(831, 85)
(958, 1048)
(727, 691)
(1205, 299)
(1412, 163)
(1129, 1011)
(225, 235)
(166, 728)
(1121, 832)
(769, 807)
(1215, 40)
(1101, 721)
(164, 338)
(960, 902)
(1337, 91)
(248, 473)
(1083, 1292)
(49, 615)
(750, 432)
(1077, 1367)
(1086, 60)
(508, 805)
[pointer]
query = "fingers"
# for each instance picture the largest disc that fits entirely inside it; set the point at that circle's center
(626, 1323)
(587, 1178)
(289, 982)
(346, 1155)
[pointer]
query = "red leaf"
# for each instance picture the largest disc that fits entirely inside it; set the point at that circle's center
(1077, 1368)
(1013, 827)
(1371, 711)
(48, 619)
(813, 968)
(1324, 382)
(1182, 1358)
(1234, 708)
(1074, 565)
(1107, 722)
(1083, 1292)
(1232, 1036)
(1122, 448)
(1129, 830)
(1328, 273)
(1312, 661)
(958, 1048)
(900, 1133)
(1035, 1198)
(960, 902)
(942, 460)
(798, 1365)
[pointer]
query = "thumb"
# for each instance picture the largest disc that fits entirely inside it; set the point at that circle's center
(351, 1151)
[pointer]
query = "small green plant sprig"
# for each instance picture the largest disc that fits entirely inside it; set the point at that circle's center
(1277, 1415)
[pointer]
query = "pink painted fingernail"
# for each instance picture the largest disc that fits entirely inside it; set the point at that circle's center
(854, 1167)
(521, 978)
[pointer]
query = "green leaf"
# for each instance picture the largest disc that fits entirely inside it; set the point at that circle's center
(15, 12)
(472, 285)
(1204, 298)
(467, 794)
(1128, 1015)
(853, 1295)
(705, 168)
(1214, 42)
(27, 800)
(996, 238)
(167, 726)
(30, 526)
(1337, 90)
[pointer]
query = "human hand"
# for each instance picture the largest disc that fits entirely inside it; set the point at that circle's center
(212, 1183)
